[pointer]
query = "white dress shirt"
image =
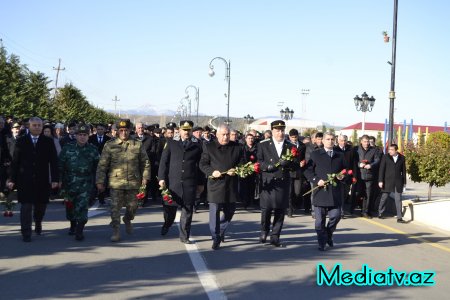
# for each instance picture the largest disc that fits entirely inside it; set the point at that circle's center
(279, 147)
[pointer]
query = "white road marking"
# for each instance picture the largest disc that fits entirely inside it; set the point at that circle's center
(94, 210)
(206, 277)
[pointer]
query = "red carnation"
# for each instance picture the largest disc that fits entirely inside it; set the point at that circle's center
(5, 213)
(343, 172)
(364, 161)
(354, 180)
(294, 151)
(350, 172)
(140, 196)
(10, 214)
(257, 168)
(69, 204)
(166, 197)
(252, 158)
(169, 201)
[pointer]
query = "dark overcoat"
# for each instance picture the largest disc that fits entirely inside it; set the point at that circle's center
(179, 168)
(221, 158)
(31, 168)
(319, 166)
(392, 174)
(372, 156)
(93, 139)
(275, 184)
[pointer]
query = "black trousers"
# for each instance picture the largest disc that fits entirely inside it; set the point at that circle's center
(278, 219)
(30, 212)
(218, 224)
(325, 231)
(363, 186)
(295, 195)
(185, 220)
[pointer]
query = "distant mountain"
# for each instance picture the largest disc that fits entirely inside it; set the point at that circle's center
(145, 110)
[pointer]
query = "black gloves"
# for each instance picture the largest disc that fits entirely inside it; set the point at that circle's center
(284, 163)
(271, 168)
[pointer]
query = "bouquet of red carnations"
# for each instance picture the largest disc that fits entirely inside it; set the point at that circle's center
(332, 180)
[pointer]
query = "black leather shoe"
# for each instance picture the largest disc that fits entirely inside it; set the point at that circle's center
(330, 243)
(216, 243)
(186, 241)
(401, 221)
(38, 228)
(275, 242)
(263, 238)
(164, 230)
(381, 217)
(321, 248)
(26, 238)
(73, 225)
(222, 237)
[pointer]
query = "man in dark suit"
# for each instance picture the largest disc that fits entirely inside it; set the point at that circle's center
(314, 144)
(218, 162)
(275, 181)
(392, 179)
(327, 198)
(99, 140)
(180, 173)
(34, 162)
(70, 136)
(343, 147)
(295, 195)
(367, 160)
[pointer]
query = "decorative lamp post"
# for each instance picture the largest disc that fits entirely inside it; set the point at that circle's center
(248, 119)
(364, 104)
(227, 78)
(197, 98)
(287, 114)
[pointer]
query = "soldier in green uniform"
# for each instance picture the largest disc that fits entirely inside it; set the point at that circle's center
(77, 164)
(125, 163)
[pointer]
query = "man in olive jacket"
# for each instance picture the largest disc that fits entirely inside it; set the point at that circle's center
(125, 163)
(219, 158)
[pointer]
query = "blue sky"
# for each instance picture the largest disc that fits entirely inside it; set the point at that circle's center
(147, 52)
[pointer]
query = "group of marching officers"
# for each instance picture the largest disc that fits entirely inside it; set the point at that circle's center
(193, 165)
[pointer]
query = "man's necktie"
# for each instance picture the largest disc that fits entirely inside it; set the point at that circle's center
(34, 140)
(100, 139)
(330, 153)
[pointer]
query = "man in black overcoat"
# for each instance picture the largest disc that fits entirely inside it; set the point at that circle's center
(275, 181)
(179, 172)
(392, 179)
(327, 198)
(218, 162)
(295, 195)
(33, 163)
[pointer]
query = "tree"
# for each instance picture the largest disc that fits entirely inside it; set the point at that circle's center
(431, 162)
(379, 142)
(355, 137)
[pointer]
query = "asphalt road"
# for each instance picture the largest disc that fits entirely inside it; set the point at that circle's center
(146, 265)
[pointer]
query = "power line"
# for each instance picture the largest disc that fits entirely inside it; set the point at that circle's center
(57, 75)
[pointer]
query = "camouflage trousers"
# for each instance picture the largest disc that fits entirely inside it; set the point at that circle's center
(119, 199)
(77, 210)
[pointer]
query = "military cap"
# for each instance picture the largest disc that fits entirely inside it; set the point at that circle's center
(197, 128)
(171, 125)
(124, 123)
(157, 130)
(186, 125)
(16, 125)
(83, 128)
(278, 124)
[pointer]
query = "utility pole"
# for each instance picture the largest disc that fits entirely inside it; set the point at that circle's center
(57, 76)
(115, 104)
(392, 91)
(304, 92)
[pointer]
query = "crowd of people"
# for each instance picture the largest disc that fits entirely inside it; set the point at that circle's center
(321, 174)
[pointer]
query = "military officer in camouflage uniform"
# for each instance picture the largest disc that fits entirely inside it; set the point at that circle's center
(77, 164)
(125, 163)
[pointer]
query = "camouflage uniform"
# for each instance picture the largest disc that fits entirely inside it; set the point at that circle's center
(125, 164)
(77, 168)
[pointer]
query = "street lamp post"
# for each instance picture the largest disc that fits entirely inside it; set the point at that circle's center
(197, 98)
(392, 63)
(227, 78)
(248, 119)
(364, 104)
(287, 114)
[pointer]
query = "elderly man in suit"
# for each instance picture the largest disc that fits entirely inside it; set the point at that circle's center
(219, 159)
(275, 181)
(180, 173)
(33, 163)
(392, 179)
(327, 197)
